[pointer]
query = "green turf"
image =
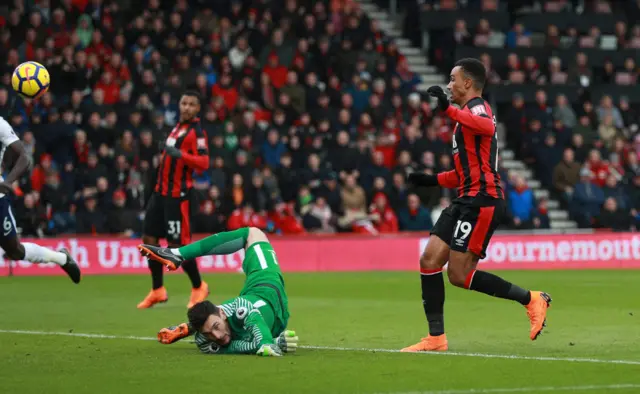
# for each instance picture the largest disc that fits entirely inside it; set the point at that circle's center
(596, 314)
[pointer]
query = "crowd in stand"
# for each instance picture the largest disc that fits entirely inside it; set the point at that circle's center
(311, 114)
(585, 152)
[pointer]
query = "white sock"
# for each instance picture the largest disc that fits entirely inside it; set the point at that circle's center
(39, 254)
(176, 251)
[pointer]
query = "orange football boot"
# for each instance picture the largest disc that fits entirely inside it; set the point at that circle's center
(174, 333)
(537, 312)
(429, 344)
(154, 297)
(198, 294)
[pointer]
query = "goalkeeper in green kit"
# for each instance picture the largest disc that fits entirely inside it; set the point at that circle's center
(254, 322)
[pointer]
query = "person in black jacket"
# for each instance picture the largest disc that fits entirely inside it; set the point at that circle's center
(122, 221)
(90, 220)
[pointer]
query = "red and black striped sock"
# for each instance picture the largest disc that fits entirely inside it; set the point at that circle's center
(433, 299)
(495, 286)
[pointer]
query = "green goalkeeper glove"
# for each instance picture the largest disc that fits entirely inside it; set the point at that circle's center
(288, 341)
(269, 351)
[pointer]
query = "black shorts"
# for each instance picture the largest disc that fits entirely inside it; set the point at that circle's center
(169, 217)
(468, 224)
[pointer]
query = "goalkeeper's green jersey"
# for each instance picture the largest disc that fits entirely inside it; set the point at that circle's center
(261, 312)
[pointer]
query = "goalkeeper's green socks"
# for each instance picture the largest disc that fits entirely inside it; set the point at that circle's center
(221, 243)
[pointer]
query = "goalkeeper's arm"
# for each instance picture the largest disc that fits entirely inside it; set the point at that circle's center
(447, 179)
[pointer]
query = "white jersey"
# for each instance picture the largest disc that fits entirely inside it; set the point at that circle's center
(7, 137)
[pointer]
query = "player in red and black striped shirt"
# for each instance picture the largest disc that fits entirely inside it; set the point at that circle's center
(464, 229)
(168, 212)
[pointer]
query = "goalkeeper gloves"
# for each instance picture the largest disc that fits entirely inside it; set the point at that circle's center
(288, 341)
(269, 351)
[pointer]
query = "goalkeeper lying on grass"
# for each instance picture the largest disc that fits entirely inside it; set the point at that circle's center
(253, 323)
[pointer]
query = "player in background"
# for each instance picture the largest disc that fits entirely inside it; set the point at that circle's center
(253, 323)
(464, 229)
(168, 212)
(9, 241)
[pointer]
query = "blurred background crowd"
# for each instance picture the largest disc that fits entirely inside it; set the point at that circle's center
(312, 113)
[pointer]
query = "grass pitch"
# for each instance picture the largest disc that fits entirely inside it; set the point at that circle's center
(591, 345)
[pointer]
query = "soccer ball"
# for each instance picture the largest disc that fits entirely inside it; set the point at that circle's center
(30, 80)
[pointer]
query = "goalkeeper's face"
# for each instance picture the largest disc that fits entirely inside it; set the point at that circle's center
(217, 329)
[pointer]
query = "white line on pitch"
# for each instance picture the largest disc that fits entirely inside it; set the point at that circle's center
(349, 349)
(529, 389)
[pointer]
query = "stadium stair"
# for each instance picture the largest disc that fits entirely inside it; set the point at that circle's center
(418, 62)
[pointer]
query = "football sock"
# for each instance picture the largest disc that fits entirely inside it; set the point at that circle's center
(190, 267)
(495, 286)
(156, 273)
(433, 300)
(221, 243)
(39, 254)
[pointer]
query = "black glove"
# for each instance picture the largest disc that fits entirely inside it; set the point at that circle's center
(173, 151)
(422, 179)
(443, 100)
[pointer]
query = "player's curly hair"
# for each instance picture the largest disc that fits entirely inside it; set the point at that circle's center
(200, 312)
(475, 70)
(192, 93)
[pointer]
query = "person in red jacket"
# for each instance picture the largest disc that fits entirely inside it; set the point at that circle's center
(384, 219)
(246, 217)
(225, 89)
(109, 87)
(600, 170)
(285, 220)
(39, 174)
(275, 71)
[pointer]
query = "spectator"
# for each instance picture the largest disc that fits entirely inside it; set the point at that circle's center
(607, 108)
(548, 155)
(613, 217)
(383, 217)
(607, 131)
(586, 200)
(319, 217)
(122, 221)
(272, 149)
(245, 216)
(599, 169)
(91, 220)
(541, 219)
(522, 204)
(31, 217)
(613, 189)
(563, 111)
(285, 220)
(414, 217)
(566, 174)
(354, 203)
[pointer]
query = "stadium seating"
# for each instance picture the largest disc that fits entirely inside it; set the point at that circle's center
(562, 76)
(313, 113)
